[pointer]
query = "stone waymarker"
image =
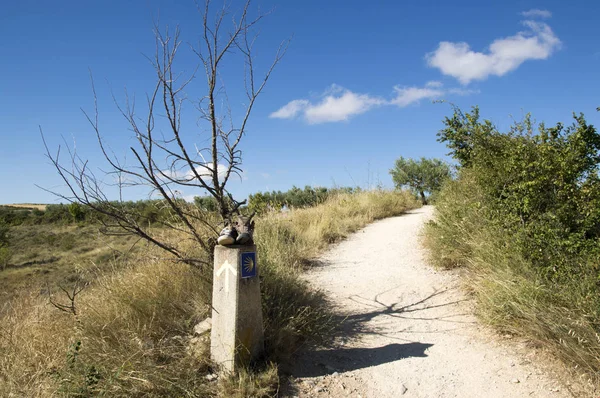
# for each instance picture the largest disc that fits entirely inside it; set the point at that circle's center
(237, 327)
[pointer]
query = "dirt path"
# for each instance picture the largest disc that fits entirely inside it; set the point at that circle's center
(409, 330)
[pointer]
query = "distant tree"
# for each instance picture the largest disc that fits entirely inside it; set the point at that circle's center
(164, 159)
(207, 203)
(422, 176)
(76, 211)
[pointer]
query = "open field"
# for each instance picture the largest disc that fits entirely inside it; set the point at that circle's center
(49, 255)
(132, 334)
(31, 206)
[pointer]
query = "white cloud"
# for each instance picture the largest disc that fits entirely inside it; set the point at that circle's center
(407, 95)
(203, 171)
(290, 110)
(537, 13)
(340, 104)
(206, 171)
(504, 55)
(462, 91)
(340, 107)
(433, 84)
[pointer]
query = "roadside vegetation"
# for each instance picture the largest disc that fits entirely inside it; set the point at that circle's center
(523, 217)
(129, 332)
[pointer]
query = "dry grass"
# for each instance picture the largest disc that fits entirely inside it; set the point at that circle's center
(304, 233)
(29, 206)
(131, 334)
(56, 254)
(512, 297)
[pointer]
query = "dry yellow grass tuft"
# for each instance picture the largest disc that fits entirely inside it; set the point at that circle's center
(29, 206)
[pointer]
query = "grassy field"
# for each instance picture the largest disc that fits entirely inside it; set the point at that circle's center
(29, 206)
(130, 336)
(48, 255)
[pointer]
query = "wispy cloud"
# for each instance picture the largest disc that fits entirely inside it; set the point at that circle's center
(408, 95)
(291, 109)
(537, 13)
(434, 84)
(339, 104)
(504, 55)
(340, 107)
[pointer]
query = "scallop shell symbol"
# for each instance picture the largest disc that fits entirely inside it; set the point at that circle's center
(248, 264)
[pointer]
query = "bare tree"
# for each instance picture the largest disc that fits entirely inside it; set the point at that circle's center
(165, 160)
(71, 294)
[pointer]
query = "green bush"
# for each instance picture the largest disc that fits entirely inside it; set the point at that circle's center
(76, 211)
(4, 237)
(542, 185)
(5, 256)
(524, 217)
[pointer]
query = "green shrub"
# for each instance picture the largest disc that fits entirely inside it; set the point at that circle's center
(5, 256)
(4, 234)
(524, 217)
(76, 211)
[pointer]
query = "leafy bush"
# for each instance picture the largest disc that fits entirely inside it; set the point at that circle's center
(5, 256)
(207, 203)
(76, 211)
(4, 237)
(524, 216)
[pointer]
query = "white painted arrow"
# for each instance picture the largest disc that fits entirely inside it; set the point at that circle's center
(224, 268)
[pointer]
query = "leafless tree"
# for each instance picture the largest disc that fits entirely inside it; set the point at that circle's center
(71, 295)
(166, 160)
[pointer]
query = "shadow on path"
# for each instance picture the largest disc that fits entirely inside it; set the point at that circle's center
(354, 325)
(328, 361)
(339, 357)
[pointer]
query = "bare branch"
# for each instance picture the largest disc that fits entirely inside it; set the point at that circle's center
(164, 157)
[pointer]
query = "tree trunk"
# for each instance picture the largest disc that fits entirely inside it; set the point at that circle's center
(423, 199)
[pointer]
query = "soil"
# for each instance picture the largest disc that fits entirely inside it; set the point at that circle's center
(409, 330)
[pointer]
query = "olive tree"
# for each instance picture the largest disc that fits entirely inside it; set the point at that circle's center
(421, 176)
(168, 155)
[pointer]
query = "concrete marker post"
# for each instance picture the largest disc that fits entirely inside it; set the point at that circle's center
(237, 336)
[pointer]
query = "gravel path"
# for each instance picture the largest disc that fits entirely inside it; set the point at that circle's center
(409, 330)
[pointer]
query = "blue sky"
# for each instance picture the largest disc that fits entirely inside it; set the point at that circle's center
(353, 92)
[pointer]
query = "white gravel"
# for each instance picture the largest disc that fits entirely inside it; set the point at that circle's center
(410, 330)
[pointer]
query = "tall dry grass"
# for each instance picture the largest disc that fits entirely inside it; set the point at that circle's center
(131, 334)
(512, 297)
